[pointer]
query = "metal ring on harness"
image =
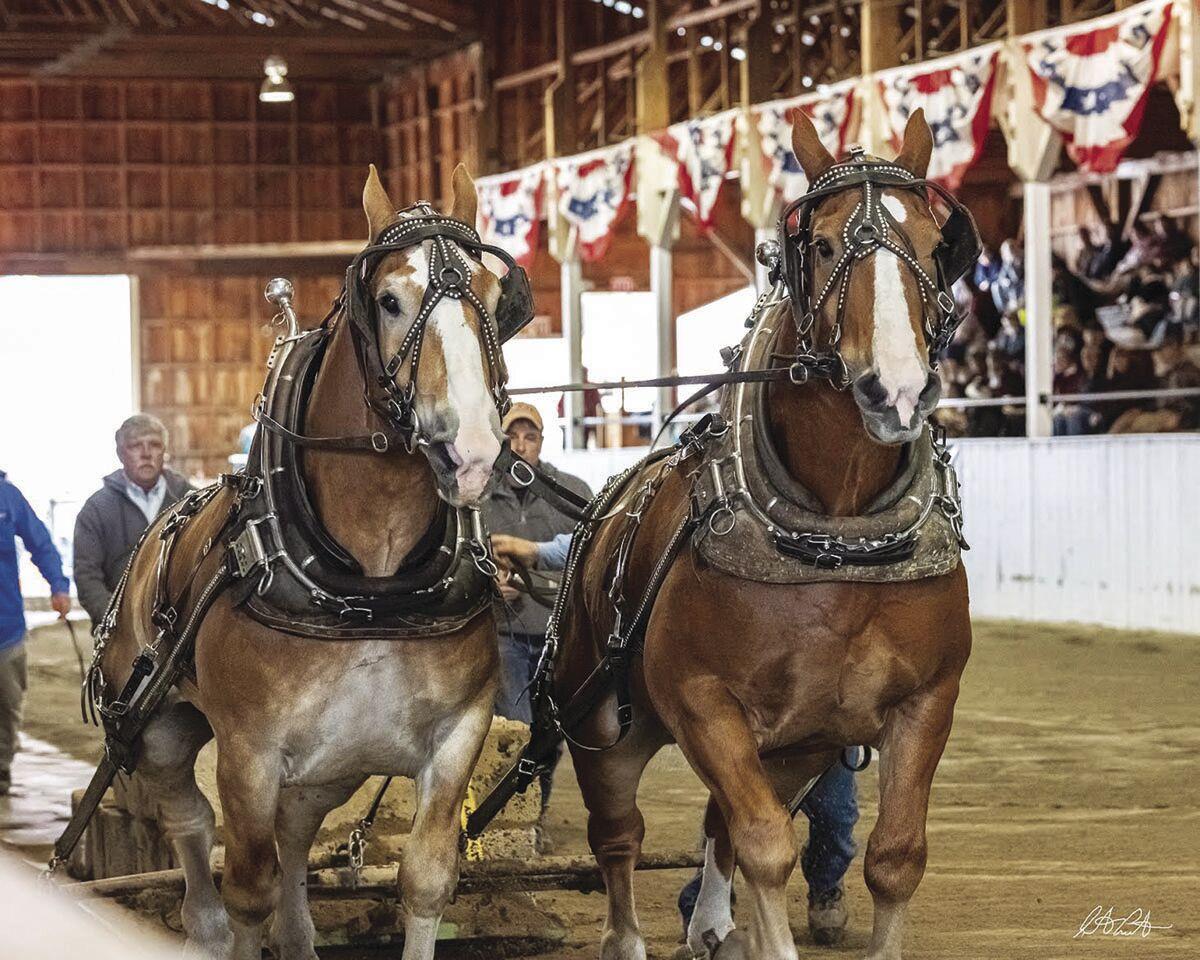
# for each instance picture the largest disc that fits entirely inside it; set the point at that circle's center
(379, 442)
(862, 765)
(721, 530)
(513, 470)
(865, 231)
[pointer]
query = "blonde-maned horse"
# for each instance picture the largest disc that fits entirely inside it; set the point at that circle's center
(300, 723)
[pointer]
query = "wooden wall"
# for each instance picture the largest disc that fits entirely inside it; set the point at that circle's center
(204, 343)
(111, 165)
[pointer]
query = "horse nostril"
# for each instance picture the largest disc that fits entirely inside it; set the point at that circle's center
(871, 389)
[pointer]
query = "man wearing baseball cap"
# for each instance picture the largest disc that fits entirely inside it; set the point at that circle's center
(515, 511)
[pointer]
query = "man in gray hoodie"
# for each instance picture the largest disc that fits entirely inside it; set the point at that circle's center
(113, 518)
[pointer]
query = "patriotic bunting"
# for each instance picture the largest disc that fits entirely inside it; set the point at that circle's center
(829, 111)
(704, 150)
(1091, 84)
(956, 94)
(593, 190)
(510, 206)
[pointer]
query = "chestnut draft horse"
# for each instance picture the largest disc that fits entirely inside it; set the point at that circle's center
(302, 718)
(763, 684)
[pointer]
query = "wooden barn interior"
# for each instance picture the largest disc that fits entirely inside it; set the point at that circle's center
(133, 140)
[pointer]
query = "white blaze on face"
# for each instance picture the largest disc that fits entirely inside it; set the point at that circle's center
(475, 445)
(470, 410)
(894, 343)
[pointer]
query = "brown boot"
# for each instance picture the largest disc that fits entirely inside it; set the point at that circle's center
(827, 916)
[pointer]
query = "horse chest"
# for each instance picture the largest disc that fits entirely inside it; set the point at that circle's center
(379, 716)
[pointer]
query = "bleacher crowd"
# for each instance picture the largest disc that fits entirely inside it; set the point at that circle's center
(1126, 318)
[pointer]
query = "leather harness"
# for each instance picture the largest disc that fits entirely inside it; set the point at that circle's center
(284, 568)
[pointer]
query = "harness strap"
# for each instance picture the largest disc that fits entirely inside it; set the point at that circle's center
(550, 727)
(377, 442)
(123, 728)
(540, 484)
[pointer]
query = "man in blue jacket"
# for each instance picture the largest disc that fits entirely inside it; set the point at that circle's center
(18, 519)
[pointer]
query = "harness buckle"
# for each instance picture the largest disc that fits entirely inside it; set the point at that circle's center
(248, 550)
(379, 442)
(516, 467)
(799, 373)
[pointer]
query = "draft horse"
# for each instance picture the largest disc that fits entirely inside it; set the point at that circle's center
(358, 638)
(761, 670)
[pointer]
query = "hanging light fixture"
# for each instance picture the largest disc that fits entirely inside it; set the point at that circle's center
(275, 88)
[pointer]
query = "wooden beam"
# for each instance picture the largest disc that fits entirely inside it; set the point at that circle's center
(1025, 16)
(880, 37)
(756, 68)
(559, 101)
(653, 89)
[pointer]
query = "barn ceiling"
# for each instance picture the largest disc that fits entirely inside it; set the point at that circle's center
(348, 39)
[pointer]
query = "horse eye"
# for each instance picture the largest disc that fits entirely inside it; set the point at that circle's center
(390, 304)
(822, 248)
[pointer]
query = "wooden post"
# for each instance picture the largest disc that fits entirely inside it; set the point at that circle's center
(1039, 318)
(658, 200)
(661, 286)
(571, 279)
(880, 42)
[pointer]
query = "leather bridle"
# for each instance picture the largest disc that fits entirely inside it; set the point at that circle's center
(455, 253)
(869, 229)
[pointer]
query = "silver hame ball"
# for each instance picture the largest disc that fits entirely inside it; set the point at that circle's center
(279, 290)
(767, 253)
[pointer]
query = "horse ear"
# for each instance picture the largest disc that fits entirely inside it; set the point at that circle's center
(465, 201)
(379, 209)
(806, 144)
(918, 144)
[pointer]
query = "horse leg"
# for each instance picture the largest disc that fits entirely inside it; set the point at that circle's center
(300, 815)
(429, 867)
(608, 781)
(712, 730)
(249, 784)
(166, 765)
(712, 919)
(913, 740)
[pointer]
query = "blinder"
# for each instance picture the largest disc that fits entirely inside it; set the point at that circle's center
(450, 270)
(870, 228)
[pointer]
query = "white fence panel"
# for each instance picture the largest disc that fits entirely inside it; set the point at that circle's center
(1093, 529)
(1100, 530)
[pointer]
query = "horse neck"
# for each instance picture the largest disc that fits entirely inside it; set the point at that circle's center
(819, 435)
(377, 506)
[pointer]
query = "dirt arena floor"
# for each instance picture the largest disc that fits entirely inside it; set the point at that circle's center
(1070, 782)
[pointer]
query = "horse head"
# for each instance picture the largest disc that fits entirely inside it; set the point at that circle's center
(459, 377)
(873, 279)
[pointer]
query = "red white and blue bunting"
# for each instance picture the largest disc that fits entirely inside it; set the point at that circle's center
(956, 94)
(829, 111)
(510, 206)
(704, 150)
(593, 191)
(1091, 84)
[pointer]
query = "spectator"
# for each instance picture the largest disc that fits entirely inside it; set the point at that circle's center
(17, 519)
(1008, 288)
(516, 512)
(1128, 370)
(113, 518)
(1011, 340)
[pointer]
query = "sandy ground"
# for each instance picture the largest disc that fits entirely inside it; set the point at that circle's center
(1070, 782)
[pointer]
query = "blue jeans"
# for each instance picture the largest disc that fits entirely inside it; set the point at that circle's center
(832, 811)
(519, 655)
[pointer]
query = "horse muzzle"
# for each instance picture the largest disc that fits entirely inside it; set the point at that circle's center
(880, 414)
